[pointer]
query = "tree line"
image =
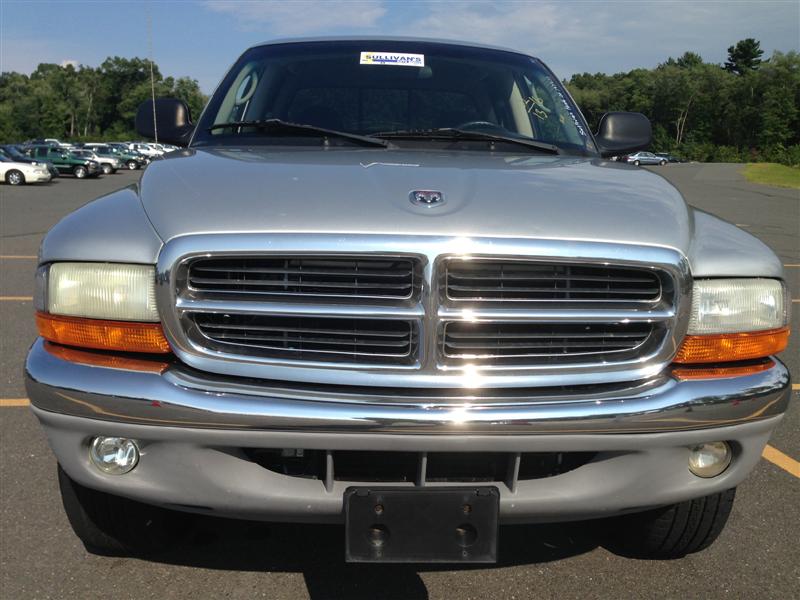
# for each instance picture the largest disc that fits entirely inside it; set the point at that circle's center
(745, 110)
(74, 103)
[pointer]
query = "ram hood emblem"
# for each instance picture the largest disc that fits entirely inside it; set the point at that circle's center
(426, 198)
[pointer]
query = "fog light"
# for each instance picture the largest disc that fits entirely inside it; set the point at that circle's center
(113, 455)
(710, 459)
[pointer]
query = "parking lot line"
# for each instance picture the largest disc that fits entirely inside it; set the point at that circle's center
(17, 257)
(779, 459)
(16, 298)
(13, 402)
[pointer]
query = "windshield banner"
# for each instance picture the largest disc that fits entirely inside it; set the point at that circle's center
(392, 58)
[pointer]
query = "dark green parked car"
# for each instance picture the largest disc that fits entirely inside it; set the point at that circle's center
(66, 162)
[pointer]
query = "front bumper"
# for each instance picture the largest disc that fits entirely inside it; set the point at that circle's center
(194, 433)
(38, 177)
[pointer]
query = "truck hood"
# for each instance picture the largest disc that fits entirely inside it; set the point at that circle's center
(365, 190)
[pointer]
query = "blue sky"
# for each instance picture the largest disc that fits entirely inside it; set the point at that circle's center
(202, 38)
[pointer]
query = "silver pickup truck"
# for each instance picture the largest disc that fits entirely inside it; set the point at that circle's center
(395, 284)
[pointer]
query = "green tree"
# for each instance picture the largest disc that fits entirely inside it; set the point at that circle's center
(744, 56)
(779, 100)
(705, 112)
(69, 102)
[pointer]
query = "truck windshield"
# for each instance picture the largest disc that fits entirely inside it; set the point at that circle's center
(380, 88)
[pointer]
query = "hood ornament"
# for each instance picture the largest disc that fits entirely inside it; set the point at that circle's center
(429, 198)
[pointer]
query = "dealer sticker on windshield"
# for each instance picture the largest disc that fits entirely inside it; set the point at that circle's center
(392, 58)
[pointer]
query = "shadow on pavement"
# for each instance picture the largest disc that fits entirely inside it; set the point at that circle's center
(317, 551)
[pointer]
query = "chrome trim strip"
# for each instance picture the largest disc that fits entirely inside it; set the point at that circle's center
(121, 396)
(544, 315)
(431, 252)
(239, 307)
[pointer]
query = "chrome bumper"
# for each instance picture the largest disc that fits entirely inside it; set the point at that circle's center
(179, 397)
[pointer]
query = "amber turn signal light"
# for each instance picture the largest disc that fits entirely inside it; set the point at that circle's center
(730, 347)
(102, 359)
(122, 336)
(689, 373)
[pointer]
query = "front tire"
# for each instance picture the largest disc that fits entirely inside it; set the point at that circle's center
(15, 177)
(107, 169)
(80, 172)
(672, 531)
(111, 525)
(132, 165)
(662, 163)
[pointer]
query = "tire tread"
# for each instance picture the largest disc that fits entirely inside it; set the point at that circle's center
(116, 526)
(673, 531)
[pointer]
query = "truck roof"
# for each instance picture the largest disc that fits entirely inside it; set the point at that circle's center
(385, 38)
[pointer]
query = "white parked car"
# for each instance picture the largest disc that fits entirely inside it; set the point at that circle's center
(18, 173)
(57, 142)
(148, 150)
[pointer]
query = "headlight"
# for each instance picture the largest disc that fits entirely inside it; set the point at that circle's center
(735, 320)
(737, 305)
(101, 291)
(99, 305)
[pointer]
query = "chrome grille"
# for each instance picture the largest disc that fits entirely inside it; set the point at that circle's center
(510, 313)
(532, 281)
(310, 338)
(542, 343)
(304, 277)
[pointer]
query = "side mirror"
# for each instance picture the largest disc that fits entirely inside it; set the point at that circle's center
(623, 133)
(172, 121)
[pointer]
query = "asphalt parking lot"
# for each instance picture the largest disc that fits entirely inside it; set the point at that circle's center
(756, 556)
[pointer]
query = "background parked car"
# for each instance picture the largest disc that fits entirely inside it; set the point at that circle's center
(645, 158)
(125, 148)
(147, 150)
(128, 159)
(108, 164)
(66, 162)
(14, 153)
(48, 142)
(670, 157)
(18, 173)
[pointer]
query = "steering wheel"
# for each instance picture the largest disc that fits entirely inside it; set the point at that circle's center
(477, 125)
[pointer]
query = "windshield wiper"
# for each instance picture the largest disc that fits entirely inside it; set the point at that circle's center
(452, 133)
(285, 127)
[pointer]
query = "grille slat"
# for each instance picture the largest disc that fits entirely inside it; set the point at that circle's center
(304, 277)
(528, 335)
(311, 338)
(360, 333)
(559, 342)
(305, 272)
(299, 284)
(534, 277)
(544, 290)
(509, 343)
(520, 281)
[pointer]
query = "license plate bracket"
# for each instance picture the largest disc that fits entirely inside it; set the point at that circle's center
(416, 525)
